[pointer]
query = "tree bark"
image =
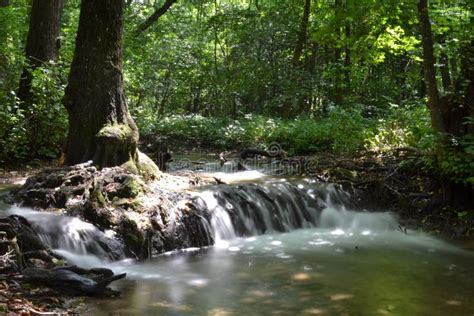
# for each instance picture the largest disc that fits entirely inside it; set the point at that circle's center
(100, 125)
(434, 104)
(303, 33)
(338, 88)
(43, 41)
(42, 46)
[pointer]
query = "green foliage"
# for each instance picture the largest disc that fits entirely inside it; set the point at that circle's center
(13, 136)
(457, 160)
(341, 132)
(407, 126)
(45, 119)
(221, 74)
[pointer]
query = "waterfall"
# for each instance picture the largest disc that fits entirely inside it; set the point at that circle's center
(71, 236)
(224, 212)
(282, 206)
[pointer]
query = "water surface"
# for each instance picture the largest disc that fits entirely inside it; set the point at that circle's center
(304, 272)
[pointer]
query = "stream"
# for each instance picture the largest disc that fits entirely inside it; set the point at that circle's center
(283, 247)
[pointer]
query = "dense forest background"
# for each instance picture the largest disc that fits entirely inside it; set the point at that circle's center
(336, 76)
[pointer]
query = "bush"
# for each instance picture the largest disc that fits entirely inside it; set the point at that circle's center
(409, 126)
(341, 132)
(45, 120)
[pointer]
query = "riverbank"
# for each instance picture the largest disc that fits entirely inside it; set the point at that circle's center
(394, 182)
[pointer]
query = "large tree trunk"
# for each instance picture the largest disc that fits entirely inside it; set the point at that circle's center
(100, 126)
(42, 46)
(435, 106)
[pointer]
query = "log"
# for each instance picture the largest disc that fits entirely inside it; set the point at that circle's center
(74, 280)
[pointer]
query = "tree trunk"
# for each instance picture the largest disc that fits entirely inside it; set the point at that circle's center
(154, 17)
(347, 60)
(43, 41)
(42, 46)
(338, 88)
(444, 67)
(100, 126)
(434, 104)
(303, 33)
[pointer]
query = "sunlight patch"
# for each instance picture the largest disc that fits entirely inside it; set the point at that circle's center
(313, 311)
(340, 297)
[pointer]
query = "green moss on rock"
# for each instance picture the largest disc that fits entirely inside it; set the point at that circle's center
(120, 132)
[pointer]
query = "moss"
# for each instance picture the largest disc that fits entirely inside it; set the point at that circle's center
(147, 168)
(121, 132)
(130, 166)
(98, 197)
(142, 165)
(132, 237)
(132, 187)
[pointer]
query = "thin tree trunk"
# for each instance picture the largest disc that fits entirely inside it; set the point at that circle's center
(303, 34)
(434, 103)
(444, 67)
(154, 17)
(296, 73)
(42, 45)
(444, 70)
(338, 89)
(347, 59)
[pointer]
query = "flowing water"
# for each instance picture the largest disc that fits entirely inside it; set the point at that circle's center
(283, 247)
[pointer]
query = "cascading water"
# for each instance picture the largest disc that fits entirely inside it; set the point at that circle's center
(272, 205)
(72, 238)
(282, 206)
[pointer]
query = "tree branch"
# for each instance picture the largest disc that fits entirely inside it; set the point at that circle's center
(155, 16)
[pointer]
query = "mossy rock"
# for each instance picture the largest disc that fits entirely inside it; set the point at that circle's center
(98, 197)
(143, 166)
(132, 236)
